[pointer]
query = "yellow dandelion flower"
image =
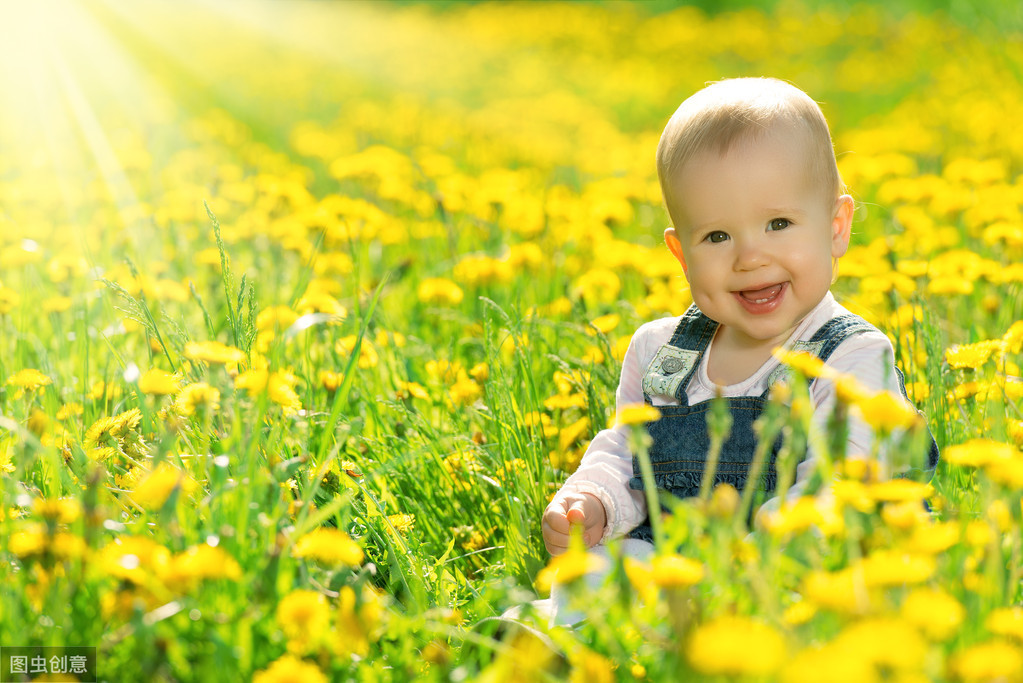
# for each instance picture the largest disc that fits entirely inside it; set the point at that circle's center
(733, 645)
(6, 466)
(637, 414)
(330, 380)
(850, 391)
(304, 616)
(590, 667)
(28, 542)
(804, 363)
(411, 390)
(852, 493)
(461, 463)
(1013, 337)
(290, 669)
(195, 396)
(59, 510)
(899, 490)
(65, 546)
(102, 433)
(279, 317)
(280, 391)
(967, 389)
(127, 421)
(931, 539)
(320, 302)
(887, 643)
(101, 391)
(979, 533)
(38, 422)
(640, 575)
(918, 391)
(886, 412)
(978, 453)
(253, 381)
(55, 304)
(565, 401)
(156, 487)
(477, 269)
(28, 379)
(972, 356)
(480, 372)
(802, 514)
(443, 371)
(9, 300)
(995, 660)
(69, 410)
(138, 559)
(830, 662)
(388, 338)
(368, 356)
(465, 391)
(213, 352)
(329, 546)
(593, 355)
(799, 613)
(844, 591)
(950, 284)
(904, 515)
(200, 563)
(401, 522)
(354, 623)
(439, 291)
(675, 571)
(567, 567)
(724, 501)
(605, 323)
(1015, 428)
(893, 568)
(1008, 473)
(570, 434)
(1005, 621)
(936, 613)
(597, 286)
(158, 382)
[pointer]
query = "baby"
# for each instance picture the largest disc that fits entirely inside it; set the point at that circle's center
(759, 218)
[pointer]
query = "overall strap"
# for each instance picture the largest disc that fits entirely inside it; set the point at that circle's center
(823, 343)
(674, 364)
(694, 331)
(832, 333)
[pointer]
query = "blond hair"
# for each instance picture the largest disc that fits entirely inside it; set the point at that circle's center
(739, 110)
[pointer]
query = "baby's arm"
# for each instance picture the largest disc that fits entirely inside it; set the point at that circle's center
(606, 467)
(869, 358)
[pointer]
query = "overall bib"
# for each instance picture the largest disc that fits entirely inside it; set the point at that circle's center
(681, 439)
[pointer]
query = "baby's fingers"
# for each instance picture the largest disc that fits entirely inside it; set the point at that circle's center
(555, 541)
(555, 518)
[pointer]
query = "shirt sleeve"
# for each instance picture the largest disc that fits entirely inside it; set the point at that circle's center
(606, 467)
(870, 358)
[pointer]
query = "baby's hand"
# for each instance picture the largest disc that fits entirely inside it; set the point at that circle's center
(568, 510)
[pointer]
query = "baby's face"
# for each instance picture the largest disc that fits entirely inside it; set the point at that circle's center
(757, 237)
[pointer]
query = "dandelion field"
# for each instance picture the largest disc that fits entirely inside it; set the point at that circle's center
(307, 309)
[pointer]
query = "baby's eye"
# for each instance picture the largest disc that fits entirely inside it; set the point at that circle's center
(778, 224)
(716, 236)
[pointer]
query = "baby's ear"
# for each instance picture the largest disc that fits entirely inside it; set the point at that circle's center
(841, 225)
(675, 247)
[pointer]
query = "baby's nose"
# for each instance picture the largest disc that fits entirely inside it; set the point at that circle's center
(750, 255)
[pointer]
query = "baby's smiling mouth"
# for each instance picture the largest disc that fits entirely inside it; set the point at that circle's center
(762, 295)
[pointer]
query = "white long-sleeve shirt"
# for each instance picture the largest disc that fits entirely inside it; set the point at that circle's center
(606, 467)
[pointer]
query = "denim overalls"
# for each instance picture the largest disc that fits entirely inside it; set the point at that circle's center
(681, 439)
